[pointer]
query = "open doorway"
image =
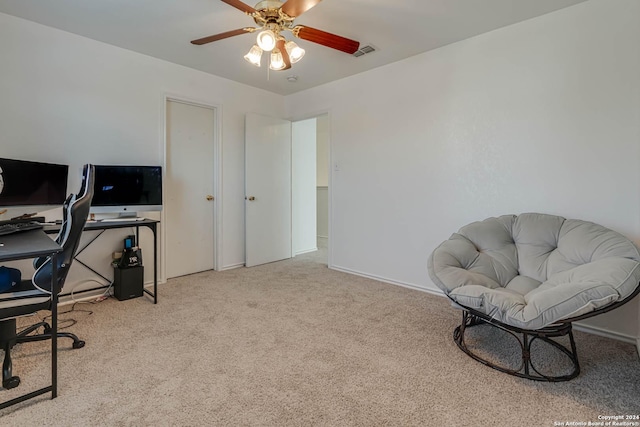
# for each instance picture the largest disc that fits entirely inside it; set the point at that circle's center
(322, 185)
(310, 187)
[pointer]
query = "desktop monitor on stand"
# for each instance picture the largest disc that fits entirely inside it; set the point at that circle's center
(28, 188)
(127, 190)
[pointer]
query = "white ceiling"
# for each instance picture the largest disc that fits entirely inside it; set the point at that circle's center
(163, 29)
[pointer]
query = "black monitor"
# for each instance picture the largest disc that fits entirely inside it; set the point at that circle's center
(126, 190)
(32, 184)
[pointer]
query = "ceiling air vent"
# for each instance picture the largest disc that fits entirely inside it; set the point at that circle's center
(363, 50)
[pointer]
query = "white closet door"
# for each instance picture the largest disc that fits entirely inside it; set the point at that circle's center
(189, 204)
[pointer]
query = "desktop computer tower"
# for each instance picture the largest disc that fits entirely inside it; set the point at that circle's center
(128, 282)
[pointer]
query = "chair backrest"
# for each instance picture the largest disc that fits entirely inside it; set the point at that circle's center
(64, 228)
(61, 233)
(75, 213)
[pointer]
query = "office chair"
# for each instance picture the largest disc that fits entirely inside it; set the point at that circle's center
(35, 294)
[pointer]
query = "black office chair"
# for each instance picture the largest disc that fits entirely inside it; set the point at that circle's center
(35, 294)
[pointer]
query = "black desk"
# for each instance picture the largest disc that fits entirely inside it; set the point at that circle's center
(107, 225)
(27, 245)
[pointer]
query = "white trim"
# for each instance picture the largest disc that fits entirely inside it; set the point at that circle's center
(306, 251)
(89, 296)
(217, 174)
(217, 187)
(162, 271)
(99, 292)
(604, 332)
(390, 281)
(330, 193)
(231, 267)
(291, 244)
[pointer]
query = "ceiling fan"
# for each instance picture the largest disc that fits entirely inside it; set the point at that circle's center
(273, 18)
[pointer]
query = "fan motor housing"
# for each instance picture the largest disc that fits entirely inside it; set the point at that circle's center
(268, 4)
(269, 11)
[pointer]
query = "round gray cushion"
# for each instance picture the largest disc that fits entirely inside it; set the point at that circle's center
(534, 270)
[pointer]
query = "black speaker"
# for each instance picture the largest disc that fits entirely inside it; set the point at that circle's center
(128, 282)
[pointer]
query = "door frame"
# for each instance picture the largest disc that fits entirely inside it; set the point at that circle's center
(217, 174)
(312, 115)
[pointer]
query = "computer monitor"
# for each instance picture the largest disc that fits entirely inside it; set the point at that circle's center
(28, 187)
(126, 190)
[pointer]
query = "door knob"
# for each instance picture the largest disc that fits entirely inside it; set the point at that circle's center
(209, 197)
(251, 198)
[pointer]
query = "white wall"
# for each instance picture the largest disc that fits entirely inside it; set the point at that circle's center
(69, 99)
(303, 185)
(540, 116)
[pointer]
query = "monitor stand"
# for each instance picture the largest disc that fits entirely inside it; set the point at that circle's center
(121, 217)
(128, 215)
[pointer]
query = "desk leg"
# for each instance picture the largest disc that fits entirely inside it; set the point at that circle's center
(155, 265)
(54, 327)
(153, 229)
(53, 388)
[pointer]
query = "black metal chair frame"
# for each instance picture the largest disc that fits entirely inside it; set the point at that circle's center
(527, 369)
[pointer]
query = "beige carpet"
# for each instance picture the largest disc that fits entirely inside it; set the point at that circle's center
(294, 343)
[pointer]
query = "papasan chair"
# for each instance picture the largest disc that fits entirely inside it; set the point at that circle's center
(532, 275)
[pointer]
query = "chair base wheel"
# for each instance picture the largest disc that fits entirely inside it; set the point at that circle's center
(78, 344)
(12, 382)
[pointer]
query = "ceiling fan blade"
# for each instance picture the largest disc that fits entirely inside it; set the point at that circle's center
(221, 36)
(294, 8)
(326, 39)
(285, 54)
(240, 5)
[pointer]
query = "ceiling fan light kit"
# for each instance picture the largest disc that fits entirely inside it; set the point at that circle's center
(266, 40)
(295, 52)
(277, 62)
(254, 56)
(275, 17)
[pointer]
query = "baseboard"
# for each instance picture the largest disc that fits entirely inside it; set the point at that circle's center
(86, 296)
(92, 294)
(306, 251)
(577, 326)
(605, 333)
(232, 266)
(150, 284)
(386, 280)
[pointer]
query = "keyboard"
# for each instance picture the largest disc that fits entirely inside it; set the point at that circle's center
(16, 227)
